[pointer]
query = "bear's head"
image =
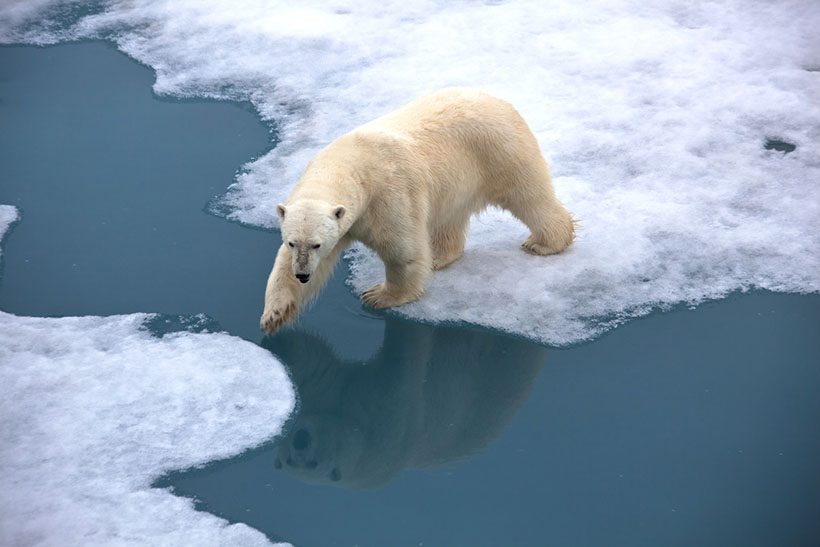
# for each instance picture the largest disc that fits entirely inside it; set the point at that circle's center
(310, 228)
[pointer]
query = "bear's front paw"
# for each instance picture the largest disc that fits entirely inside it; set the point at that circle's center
(277, 315)
(379, 296)
(376, 296)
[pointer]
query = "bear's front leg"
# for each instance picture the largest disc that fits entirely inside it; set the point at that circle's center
(282, 294)
(404, 283)
(280, 309)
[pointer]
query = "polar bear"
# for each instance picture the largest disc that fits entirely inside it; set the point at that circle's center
(406, 185)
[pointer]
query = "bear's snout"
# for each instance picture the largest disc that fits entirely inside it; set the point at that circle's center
(304, 278)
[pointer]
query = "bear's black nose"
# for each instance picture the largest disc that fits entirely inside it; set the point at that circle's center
(303, 277)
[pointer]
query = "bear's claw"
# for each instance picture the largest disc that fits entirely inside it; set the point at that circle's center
(379, 297)
(441, 262)
(374, 296)
(534, 248)
(273, 319)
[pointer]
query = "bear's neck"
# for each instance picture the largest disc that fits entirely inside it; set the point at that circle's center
(333, 188)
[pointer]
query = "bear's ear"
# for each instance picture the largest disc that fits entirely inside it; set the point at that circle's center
(339, 212)
(280, 210)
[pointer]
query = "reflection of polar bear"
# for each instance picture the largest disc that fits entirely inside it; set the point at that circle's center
(430, 396)
(406, 185)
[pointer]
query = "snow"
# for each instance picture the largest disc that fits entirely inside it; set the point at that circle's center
(8, 216)
(654, 116)
(94, 409)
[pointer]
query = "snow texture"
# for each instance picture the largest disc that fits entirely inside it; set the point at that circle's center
(94, 409)
(8, 216)
(654, 116)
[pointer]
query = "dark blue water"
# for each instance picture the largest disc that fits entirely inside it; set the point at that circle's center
(683, 428)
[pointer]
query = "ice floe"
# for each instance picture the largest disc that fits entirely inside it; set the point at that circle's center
(654, 115)
(94, 409)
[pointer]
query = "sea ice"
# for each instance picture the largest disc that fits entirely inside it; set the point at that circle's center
(654, 116)
(94, 409)
(8, 216)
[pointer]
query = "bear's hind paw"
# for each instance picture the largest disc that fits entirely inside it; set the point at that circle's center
(533, 247)
(441, 262)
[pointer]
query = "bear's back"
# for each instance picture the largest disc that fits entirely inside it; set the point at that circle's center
(471, 145)
(456, 112)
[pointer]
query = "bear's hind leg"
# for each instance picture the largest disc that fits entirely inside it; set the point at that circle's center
(448, 244)
(552, 227)
(555, 235)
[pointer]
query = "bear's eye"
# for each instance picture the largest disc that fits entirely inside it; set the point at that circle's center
(290, 244)
(317, 245)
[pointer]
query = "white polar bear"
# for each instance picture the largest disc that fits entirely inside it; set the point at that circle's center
(406, 185)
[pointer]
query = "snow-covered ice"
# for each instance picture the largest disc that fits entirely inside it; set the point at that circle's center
(654, 117)
(94, 409)
(8, 216)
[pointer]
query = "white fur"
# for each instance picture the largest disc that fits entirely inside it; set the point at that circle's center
(407, 184)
